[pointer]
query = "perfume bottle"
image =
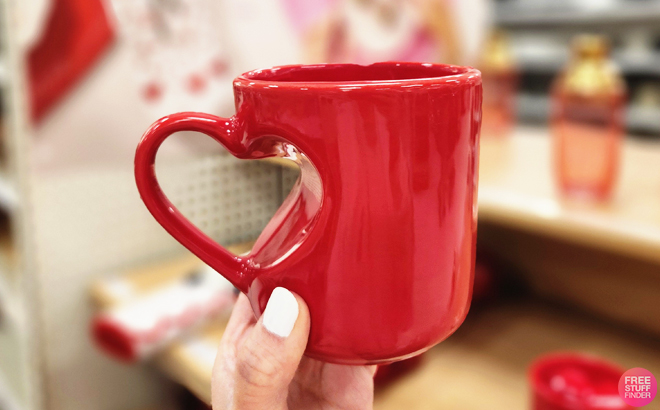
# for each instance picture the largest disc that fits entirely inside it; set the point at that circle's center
(499, 80)
(588, 120)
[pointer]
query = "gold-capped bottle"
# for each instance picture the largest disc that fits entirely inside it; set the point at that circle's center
(500, 80)
(588, 110)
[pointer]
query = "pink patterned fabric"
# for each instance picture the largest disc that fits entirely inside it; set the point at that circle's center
(304, 13)
(422, 47)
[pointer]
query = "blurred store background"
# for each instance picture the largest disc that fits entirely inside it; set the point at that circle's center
(540, 32)
(569, 202)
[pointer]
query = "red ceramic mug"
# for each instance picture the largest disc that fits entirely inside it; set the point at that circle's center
(378, 235)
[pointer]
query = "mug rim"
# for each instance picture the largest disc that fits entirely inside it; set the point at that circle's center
(456, 75)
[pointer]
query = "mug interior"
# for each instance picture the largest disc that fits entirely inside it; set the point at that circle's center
(346, 73)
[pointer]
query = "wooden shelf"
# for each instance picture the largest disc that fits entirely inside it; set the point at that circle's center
(282, 162)
(489, 354)
(517, 189)
(189, 360)
(484, 365)
(113, 289)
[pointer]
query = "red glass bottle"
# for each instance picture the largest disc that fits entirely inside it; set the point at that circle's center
(500, 82)
(588, 121)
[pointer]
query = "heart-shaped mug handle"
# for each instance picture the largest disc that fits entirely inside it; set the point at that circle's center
(227, 131)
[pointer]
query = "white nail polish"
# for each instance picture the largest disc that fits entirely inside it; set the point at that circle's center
(281, 312)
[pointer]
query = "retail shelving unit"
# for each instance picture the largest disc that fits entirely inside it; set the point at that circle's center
(517, 188)
(623, 13)
(604, 258)
(63, 226)
(490, 353)
(541, 32)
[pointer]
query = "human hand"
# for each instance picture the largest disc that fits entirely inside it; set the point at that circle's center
(260, 364)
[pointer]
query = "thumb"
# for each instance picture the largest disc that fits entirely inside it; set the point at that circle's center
(268, 359)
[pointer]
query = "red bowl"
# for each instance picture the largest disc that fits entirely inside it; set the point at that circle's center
(575, 381)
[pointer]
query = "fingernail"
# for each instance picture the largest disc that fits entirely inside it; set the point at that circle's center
(281, 312)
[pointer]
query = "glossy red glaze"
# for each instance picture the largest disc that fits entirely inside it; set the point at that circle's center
(378, 235)
(570, 381)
